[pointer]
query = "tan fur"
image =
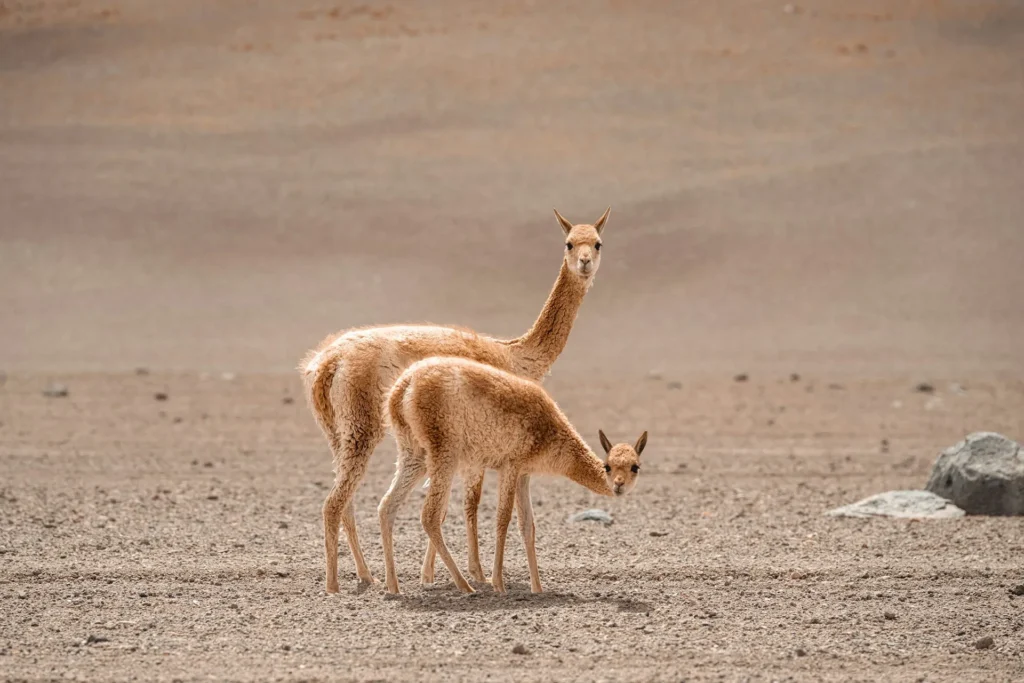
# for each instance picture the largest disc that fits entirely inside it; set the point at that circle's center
(347, 375)
(453, 414)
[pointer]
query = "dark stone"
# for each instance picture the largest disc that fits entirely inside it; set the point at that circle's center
(983, 474)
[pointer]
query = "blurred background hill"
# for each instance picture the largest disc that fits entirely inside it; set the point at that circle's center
(217, 185)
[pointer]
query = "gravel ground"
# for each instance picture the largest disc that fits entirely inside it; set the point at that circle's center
(181, 539)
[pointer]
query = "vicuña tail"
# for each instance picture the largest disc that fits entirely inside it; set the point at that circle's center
(318, 378)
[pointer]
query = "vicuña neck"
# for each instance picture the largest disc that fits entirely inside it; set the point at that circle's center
(578, 462)
(537, 350)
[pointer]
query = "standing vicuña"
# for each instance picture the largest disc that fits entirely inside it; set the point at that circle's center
(347, 375)
(449, 414)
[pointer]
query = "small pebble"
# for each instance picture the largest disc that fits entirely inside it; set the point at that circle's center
(890, 616)
(986, 643)
(160, 396)
(924, 388)
(141, 371)
(55, 390)
(287, 400)
(794, 377)
(800, 652)
(592, 515)
(1017, 590)
(520, 649)
(282, 525)
(742, 377)
(658, 534)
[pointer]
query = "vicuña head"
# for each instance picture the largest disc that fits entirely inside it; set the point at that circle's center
(622, 466)
(583, 244)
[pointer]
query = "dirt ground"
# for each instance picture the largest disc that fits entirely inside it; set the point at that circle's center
(822, 196)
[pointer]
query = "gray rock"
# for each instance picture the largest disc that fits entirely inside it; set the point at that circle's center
(983, 474)
(905, 504)
(592, 515)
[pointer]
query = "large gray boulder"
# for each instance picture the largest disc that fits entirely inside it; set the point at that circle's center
(983, 474)
(904, 504)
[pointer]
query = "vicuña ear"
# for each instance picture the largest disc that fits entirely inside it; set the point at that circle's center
(640, 443)
(566, 225)
(605, 443)
(599, 225)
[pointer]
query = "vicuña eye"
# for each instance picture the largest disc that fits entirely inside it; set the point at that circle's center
(607, 468)
(635, 468)
(568, 245)
(597, 247)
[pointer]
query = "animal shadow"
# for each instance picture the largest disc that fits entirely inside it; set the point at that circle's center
(447, 598)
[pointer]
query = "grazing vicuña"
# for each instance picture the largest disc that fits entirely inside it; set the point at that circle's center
(452, 414)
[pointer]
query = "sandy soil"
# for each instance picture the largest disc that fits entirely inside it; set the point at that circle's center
(204, 188)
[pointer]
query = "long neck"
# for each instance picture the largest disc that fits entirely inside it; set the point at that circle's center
(576, 461)
(537, 350)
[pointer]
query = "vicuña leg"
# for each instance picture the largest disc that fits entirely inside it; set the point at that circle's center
(353, 448)
(474, 488)
(506, 501)
(474, 482)
(524, 516)
(427, 573)
(410, 472)
(434, 508)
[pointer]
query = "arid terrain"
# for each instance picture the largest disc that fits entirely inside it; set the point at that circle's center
(816, 208)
